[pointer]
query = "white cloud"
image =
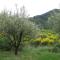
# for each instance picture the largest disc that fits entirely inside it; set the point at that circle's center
(34, 7)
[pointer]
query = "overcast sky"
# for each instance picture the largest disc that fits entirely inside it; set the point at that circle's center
(33, 7)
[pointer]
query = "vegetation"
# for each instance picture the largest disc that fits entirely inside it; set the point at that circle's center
(36, 38)
(15, 28)
(40, 53)
(47, 38)
(42, 20)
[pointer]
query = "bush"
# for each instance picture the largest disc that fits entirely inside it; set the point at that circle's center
(35, 44)
(4, 43)
(56, 48)
(46, 38)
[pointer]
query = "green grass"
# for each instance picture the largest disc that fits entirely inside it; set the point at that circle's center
(30, 54)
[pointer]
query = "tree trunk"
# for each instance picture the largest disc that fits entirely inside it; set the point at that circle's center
(16, 50)
(19, 42)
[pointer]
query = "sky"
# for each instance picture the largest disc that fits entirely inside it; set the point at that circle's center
(33, 7)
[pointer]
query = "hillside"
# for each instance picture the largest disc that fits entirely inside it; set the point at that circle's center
(46, 15)
(41, 20)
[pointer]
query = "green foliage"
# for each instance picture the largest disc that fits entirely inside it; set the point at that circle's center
(42, 20)
(4, 42)
(46, 38)
(56, 48)
(16, 27)
(54, 22)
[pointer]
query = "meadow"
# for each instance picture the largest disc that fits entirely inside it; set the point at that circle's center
(29, 53)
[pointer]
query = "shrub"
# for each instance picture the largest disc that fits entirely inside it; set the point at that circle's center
(56, 48)
(46, 38)
(4, 43)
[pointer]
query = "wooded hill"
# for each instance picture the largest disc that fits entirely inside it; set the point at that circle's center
(41, 20)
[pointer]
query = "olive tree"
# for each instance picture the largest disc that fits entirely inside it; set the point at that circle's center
(16, 28)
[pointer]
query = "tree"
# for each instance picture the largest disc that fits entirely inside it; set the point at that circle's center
(54, 22)
(16, 28)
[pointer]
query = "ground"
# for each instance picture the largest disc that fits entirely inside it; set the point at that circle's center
(39, 53)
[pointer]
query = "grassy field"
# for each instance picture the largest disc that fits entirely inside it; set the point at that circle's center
(30, 54)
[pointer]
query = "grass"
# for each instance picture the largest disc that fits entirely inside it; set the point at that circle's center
(30, 54)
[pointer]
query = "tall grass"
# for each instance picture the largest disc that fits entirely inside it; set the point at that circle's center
(30, 54)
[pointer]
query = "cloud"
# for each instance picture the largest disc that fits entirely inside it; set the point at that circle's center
(34, 7)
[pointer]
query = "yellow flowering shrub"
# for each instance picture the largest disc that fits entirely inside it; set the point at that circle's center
(47, 38)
